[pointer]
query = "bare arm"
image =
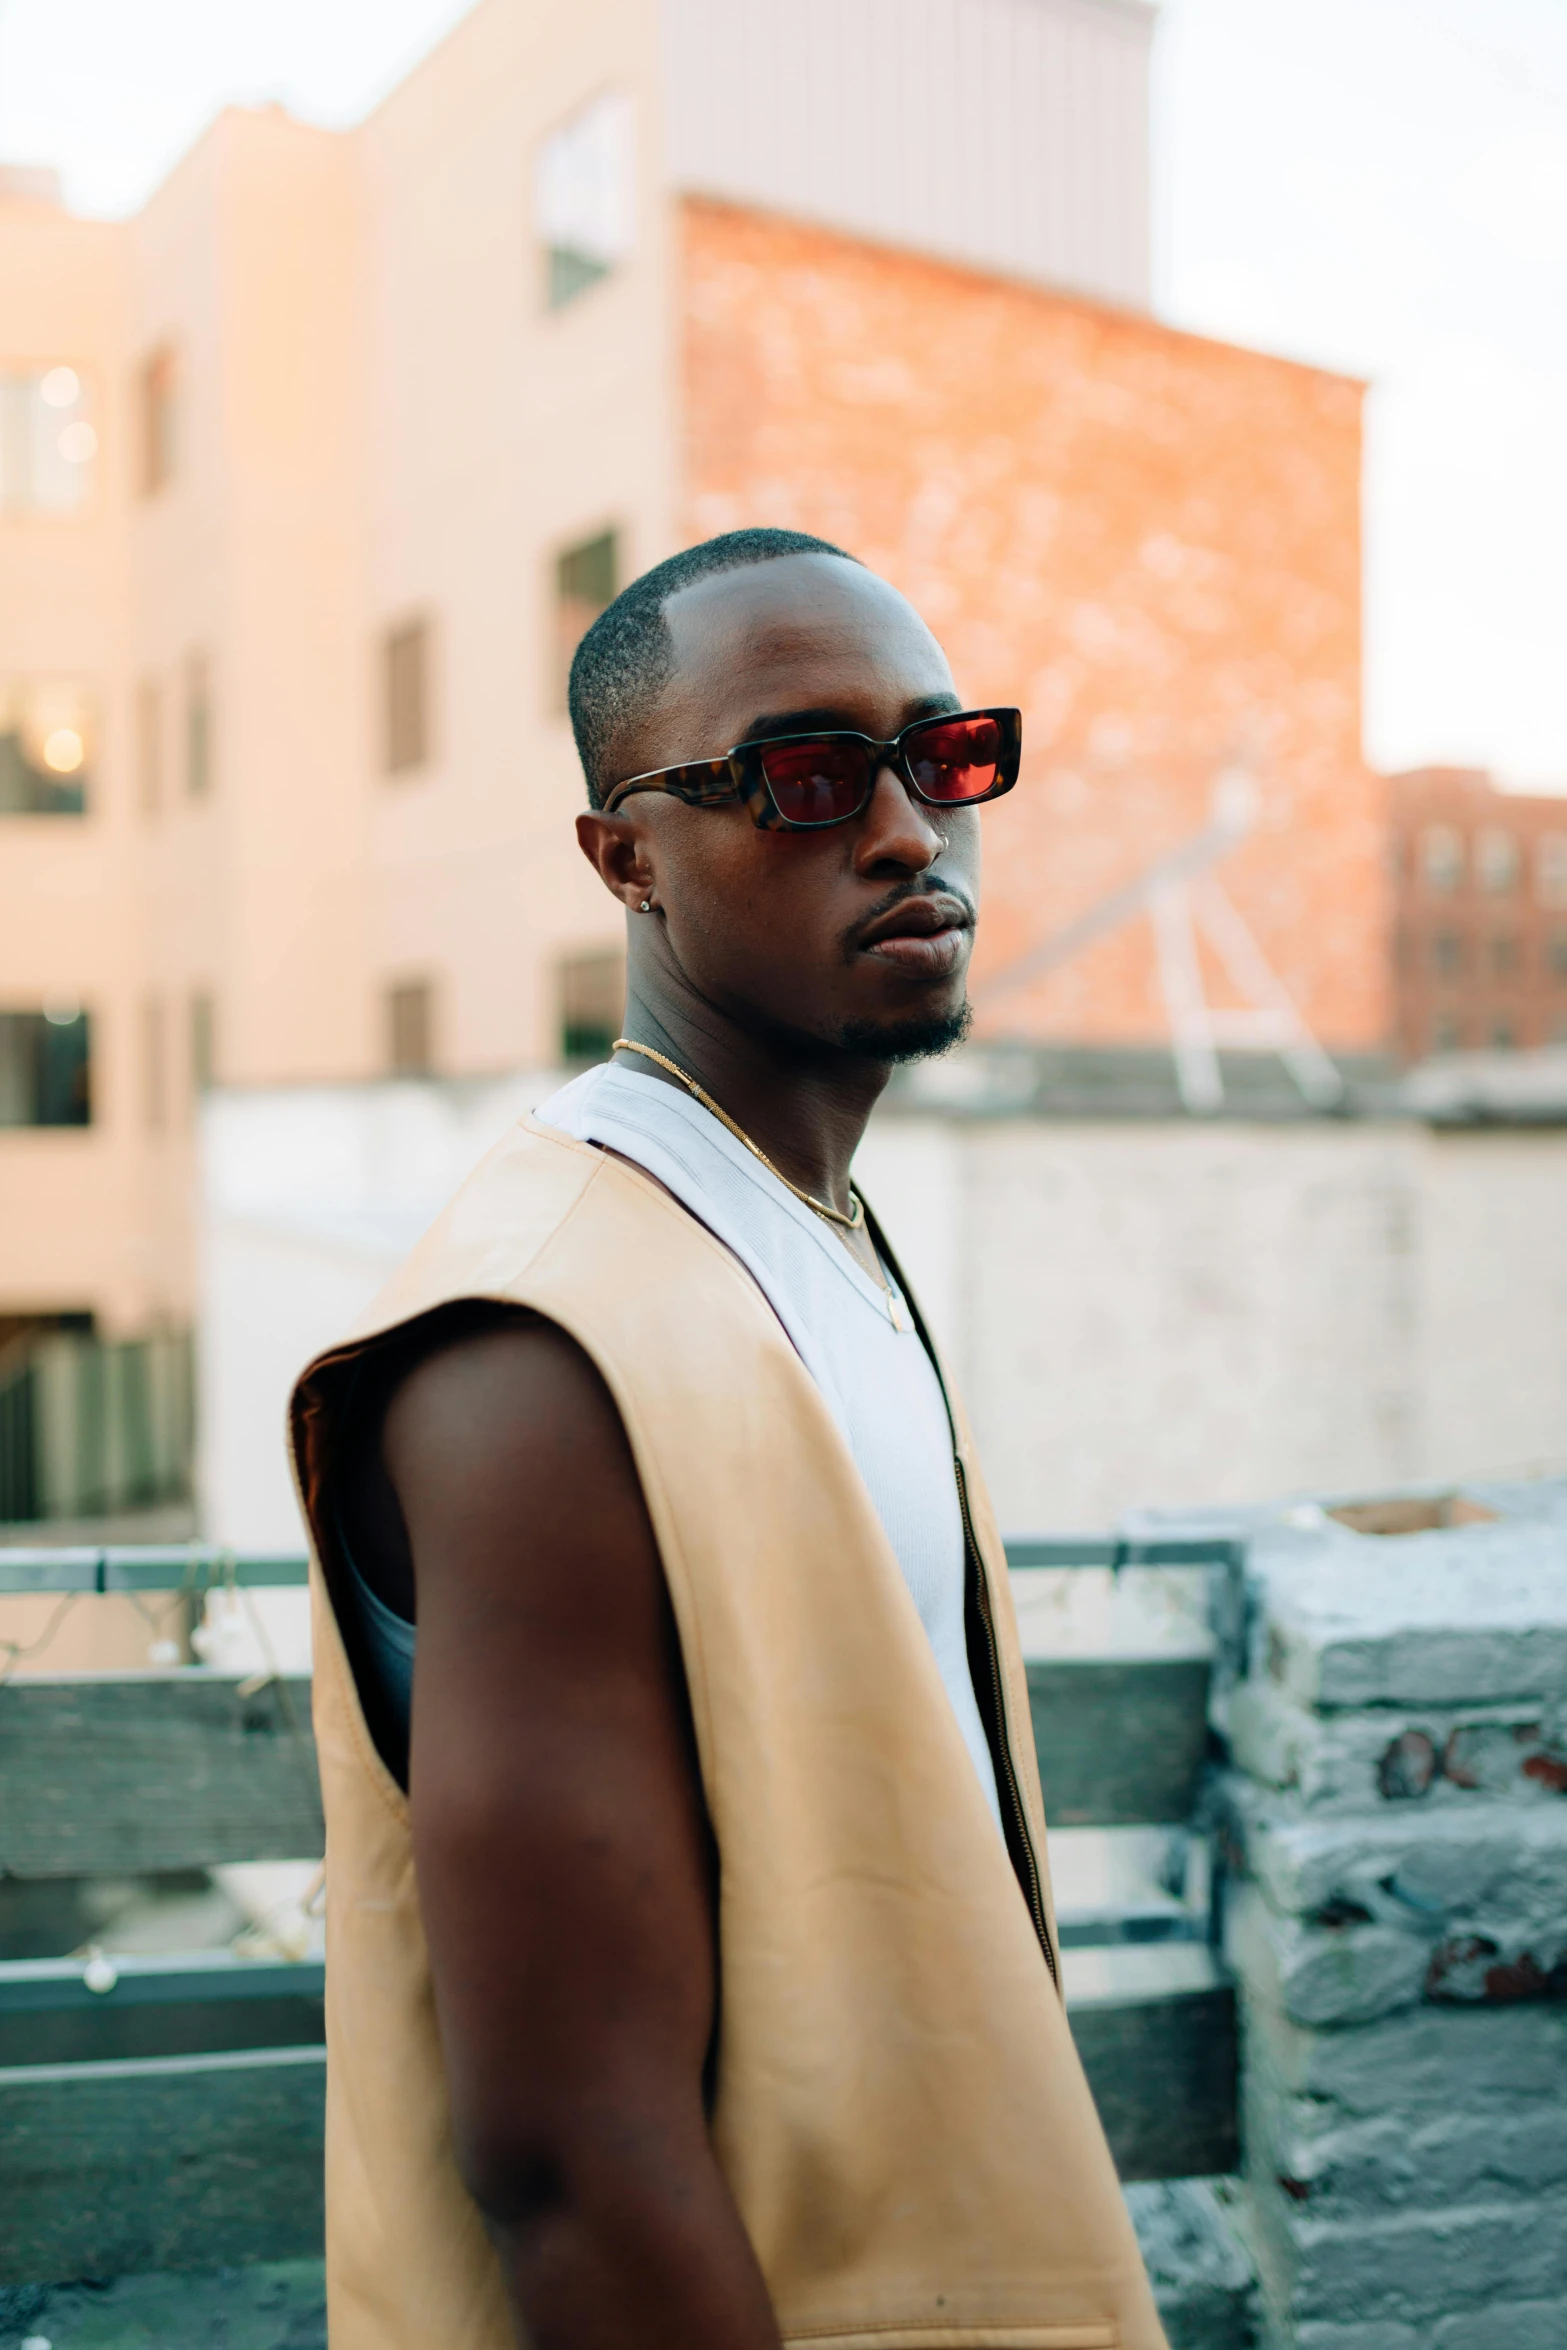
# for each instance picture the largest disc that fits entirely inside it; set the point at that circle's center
(563, 1856)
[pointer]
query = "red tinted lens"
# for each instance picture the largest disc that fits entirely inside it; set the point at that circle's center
(955, 758)
(816, 783)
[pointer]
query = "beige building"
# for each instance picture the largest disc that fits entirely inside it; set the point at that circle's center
(311, 473)
(307, 476)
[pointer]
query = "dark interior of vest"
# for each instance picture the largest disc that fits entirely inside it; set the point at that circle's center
(339, 1413)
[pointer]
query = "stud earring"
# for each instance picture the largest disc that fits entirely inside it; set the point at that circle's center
(646, 906)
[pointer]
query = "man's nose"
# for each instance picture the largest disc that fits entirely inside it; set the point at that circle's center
(895, 829)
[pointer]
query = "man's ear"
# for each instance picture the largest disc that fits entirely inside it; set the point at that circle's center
(614, 847)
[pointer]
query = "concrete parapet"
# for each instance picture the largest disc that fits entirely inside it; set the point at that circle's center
(1396, 1820)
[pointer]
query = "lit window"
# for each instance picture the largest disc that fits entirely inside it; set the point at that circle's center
(198, 727)
(406, 681)
(1442, 857)
(47, 441)
(159, 392)
(584, 197)
(1551, 869)
(1497, 862)
(585, 581)
(1447, 953)
(410, 1028)
(592, 988)
(149, 746)
(46, 748)
(203, 1042)
(45, 1067)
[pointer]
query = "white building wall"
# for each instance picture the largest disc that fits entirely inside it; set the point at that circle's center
(1009, 134)
(1139, 1314)
(1494, 1281)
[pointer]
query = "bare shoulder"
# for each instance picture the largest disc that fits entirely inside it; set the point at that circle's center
(477, 1418)
(485, 1394)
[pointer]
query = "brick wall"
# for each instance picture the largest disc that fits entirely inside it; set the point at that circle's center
(1481, 884)
(1149, 540)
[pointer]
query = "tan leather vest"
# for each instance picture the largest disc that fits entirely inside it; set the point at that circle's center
(898, 2107)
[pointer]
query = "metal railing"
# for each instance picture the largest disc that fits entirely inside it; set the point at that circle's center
(201, 1567)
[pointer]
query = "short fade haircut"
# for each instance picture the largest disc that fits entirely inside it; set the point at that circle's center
(627, 655)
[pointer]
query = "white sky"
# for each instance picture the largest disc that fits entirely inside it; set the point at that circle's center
(1379, 185)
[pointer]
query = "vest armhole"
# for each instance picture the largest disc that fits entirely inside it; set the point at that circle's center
(339, 1411)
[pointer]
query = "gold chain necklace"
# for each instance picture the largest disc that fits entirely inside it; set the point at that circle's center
(850, 1222)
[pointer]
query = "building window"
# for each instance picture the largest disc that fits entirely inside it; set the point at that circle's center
(584, 197)
(154, 1067)
(1447, 954)
(198, 727)
(159, 420)
(149, 746)
(1504, 955)
(1496, 862)
(592, 995)
(47, 442)
(410, 1028)
(46, 748)
(1442, 857)
(203, 1042)
(46, 1067)
(1557, 951)
(1444, 1033)
(586, 579)
(1503, 1035)
(406, 696)
(1550, 870)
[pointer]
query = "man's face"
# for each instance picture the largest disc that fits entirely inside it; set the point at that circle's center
(857, 936)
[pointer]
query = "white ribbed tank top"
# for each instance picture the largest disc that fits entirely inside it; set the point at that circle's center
(876, 1378)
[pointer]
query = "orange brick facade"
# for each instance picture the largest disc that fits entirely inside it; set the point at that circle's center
(1481, 882)
(1150, 541)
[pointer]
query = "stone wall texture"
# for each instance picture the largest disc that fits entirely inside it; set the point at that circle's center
(1399, 1815)
(1150, 541)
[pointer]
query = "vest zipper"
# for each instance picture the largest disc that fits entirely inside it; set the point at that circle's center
(1033, 1889)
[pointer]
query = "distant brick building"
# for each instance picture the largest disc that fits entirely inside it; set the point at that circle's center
(1481, 930)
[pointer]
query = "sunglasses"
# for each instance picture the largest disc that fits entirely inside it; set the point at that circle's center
(804, 782)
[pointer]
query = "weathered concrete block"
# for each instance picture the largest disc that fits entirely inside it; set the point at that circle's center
(1480, 2061)
(1363, 1760)
(1322, 1974)
(1426, 1864)
(1531, 2325)
(1514, 2325)
(1381, 2334)
(1202, 2278)
(1332, 2164)
(1408, 2267)
(1483, 1889)
(280, 2305)
(1461, 1616)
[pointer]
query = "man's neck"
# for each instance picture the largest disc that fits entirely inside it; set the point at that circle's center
(806, 1108)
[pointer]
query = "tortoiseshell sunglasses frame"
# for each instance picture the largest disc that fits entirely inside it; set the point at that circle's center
(738, 775)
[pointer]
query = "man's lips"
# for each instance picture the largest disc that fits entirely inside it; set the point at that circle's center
(924, 936)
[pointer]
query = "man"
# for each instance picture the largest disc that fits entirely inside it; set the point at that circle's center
(692, 1981)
